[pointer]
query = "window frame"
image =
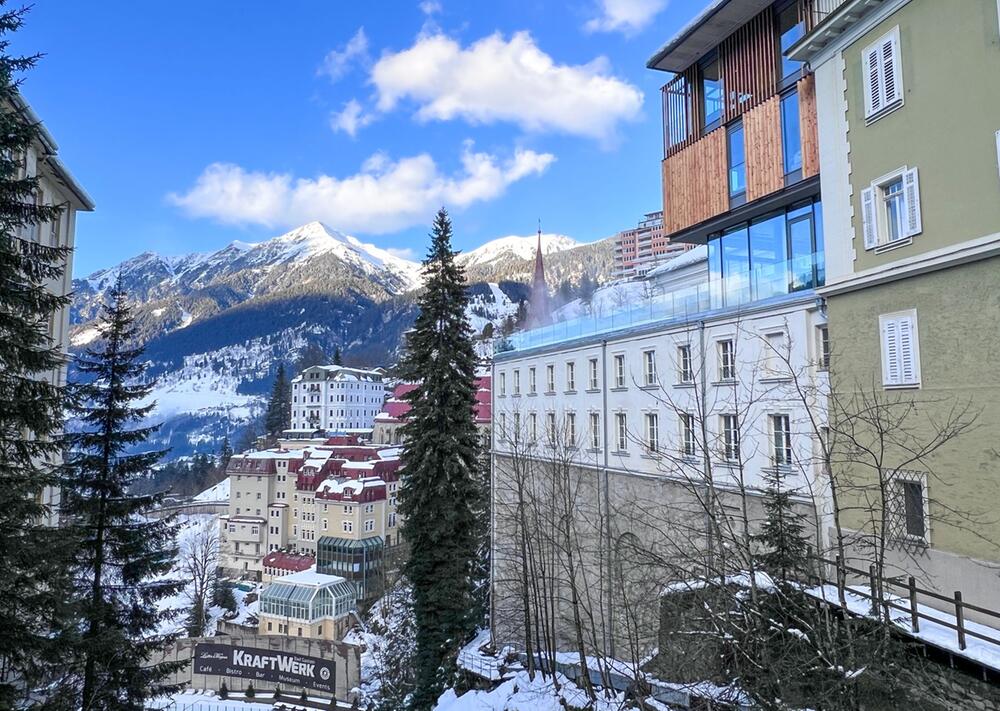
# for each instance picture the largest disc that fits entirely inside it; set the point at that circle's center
(886, 104)
(689, 442)
(620, 370)
(595, 430)
(652, 432)
(593, 374)
(729, 430)
(621, 431)
(723, 364)
(780, 425)
(685, 364)
(649, 374)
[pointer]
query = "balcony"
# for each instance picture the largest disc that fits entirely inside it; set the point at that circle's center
(740, 288)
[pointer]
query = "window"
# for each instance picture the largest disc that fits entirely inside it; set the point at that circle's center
(503, 423)
(550, 427)
(370, 525)
(685, 373)
(775, 353)
(550, 378)
(649, 367)
(652, 432)
(687, 435)
(727, 360)
(711, 84)
(882, 76)
(621, 428)
(348, 526)
(730, 438)
(909, 504)
(790, 30)
(517, 426)
(781, 441)
(593, 374)
(503, 384)
(900, 349)
(571, 429)
(823, 347)
(595, 430)
(571, 376)
(533, 427)
(620, 371)
(737, 166)
(531, 381)
(791, 133)
(517, 382)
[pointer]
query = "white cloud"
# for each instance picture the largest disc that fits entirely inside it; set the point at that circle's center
(385, 196)
(351, 118)
(500, 80)
(626, 16)
(338, 61)
(430, 7)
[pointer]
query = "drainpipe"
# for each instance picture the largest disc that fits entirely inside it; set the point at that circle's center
(609, 637)
(703, 382)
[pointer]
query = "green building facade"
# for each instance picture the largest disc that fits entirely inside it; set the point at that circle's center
(908, 104)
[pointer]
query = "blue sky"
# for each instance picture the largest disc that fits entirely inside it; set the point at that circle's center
(195, 123)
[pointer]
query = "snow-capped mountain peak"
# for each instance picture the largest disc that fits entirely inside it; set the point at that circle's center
(517, 247)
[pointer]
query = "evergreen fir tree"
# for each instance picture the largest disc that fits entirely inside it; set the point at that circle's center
(33, 556)
(279, 408)
(122, 555)
(225, 453)
(783, 540)
(337, 358)
(441, 486)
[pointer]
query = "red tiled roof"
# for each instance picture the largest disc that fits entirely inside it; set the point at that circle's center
(288, 561)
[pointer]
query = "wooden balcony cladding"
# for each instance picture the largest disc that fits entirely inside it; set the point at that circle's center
(808, 126)
(749, 64)
(762, 131)
(694, 183)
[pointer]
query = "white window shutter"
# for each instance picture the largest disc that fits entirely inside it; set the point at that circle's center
(907, 350)
(868, 218)
(911, 194)
(891, 76)
(872, 82)
(890, 352)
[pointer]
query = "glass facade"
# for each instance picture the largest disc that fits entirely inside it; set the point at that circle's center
(737, 163)
(358, 561)
(711, 84)
(307, 602)
(790, 30)
(770, 256)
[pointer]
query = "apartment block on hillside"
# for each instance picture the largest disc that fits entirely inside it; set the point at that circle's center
(333, 500)
(641, 248)
(335, 398)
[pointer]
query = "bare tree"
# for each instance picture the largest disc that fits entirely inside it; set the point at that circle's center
(199, 564)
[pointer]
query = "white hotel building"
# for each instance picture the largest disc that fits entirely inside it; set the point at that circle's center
(336, 398)
(650, 401)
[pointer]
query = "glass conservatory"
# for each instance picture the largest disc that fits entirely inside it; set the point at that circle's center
(359, 561)
(308, 596)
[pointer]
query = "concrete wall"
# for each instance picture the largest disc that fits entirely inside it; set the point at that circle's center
(632, 534)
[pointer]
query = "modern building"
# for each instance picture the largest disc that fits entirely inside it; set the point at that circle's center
(56, 186)
(912, 223)
(307, 604)
(641, 248)
(389, 421)
(306, 494)
(702, 386)
(335, 398)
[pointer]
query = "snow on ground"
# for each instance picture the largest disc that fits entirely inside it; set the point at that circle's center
(85, 336)
(931, 632)
(194, 700)
(521, 693)
(614, 297)
(191, 526)
(219, 492)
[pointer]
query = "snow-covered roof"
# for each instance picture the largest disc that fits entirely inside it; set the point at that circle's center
(684, 259)
(309, 576)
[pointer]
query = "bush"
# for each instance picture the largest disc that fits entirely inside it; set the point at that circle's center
(223, 691)
(249, 693)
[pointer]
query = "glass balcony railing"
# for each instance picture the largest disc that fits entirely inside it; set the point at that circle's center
(638, 304)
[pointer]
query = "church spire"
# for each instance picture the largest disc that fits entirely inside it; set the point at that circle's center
(538, 304)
